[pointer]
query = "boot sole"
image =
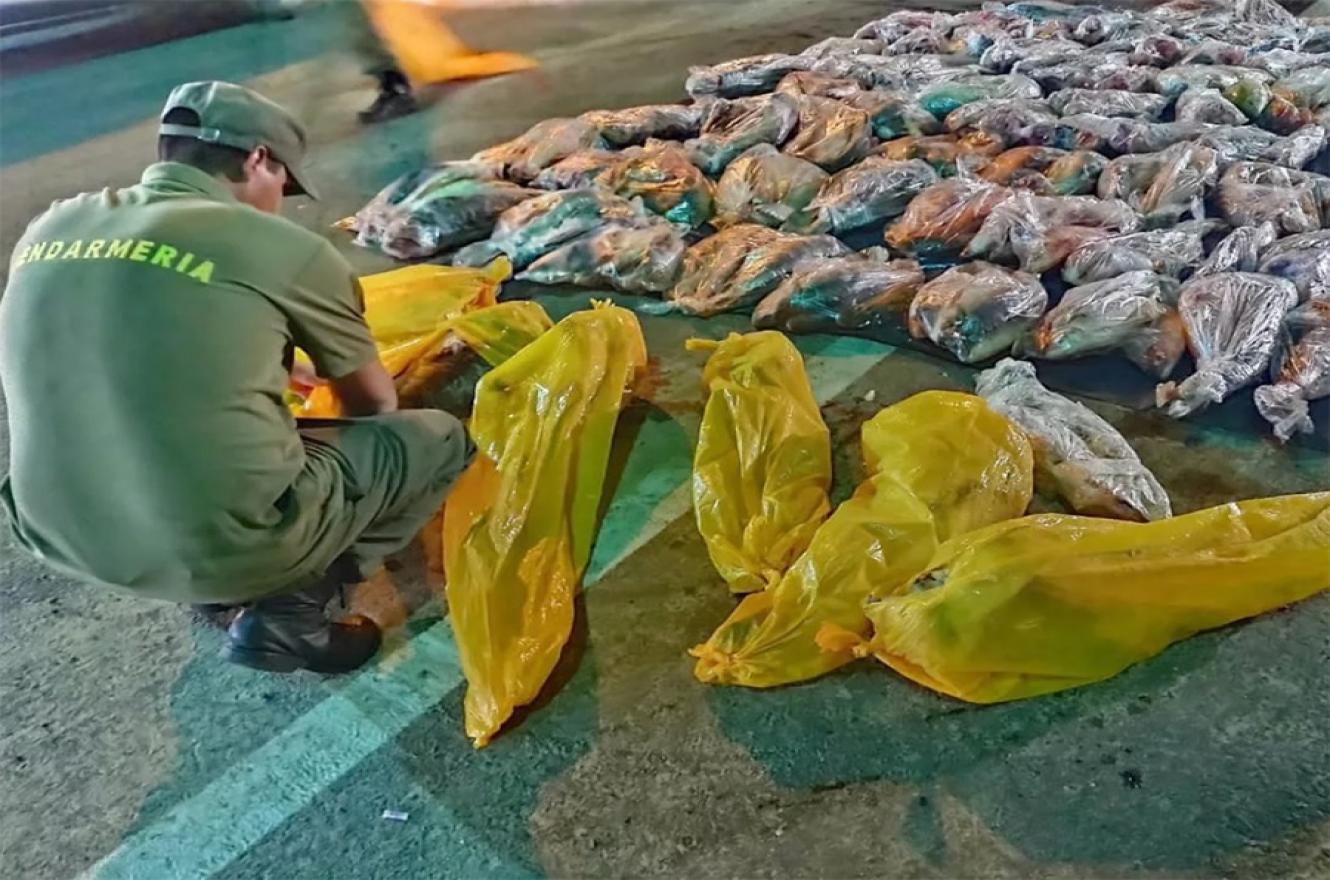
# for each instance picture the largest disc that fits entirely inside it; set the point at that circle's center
(267, 661)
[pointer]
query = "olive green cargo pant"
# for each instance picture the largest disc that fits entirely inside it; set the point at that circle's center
(365, 43)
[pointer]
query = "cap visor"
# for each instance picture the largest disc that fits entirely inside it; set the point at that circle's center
(297, 186)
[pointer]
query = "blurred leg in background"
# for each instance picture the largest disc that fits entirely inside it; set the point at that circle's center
(394, 99)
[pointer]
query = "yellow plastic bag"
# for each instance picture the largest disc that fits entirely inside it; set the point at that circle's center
(410, 312)
(427, 51)
(1050, 602)
(763, 462)
(519, 524)
(939, 464)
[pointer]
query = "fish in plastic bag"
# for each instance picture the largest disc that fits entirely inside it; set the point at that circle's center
(1046, 170)
(538, 226)
(977, 310)
(1090, 597)
(1077, 455)
(1239, 251)
(1207, 105)
(946, 153)
(1163, 251)
(661, 175)
(1020, 54)
(890, 115)
(1119, 135)
(426, 212)
(871, 191)
(634, 259)
(1039, 232)
(1303, 259)
(899, 24)
(765, 186)
(841, 293)
(941, 219)
(1097, 72)
(1157, 50)
(1107, 102)
(1076, 173)
(1300, 371)
(545, 143)
(1163, 186)
(637, 125)
(1010, 121)
(762, 468)
(736, 267)
(830, 134)
(579, 170)
(1271, 111)
(1258, 193)
(1250, 144)
(519, 524)
(741, 77)
(938, 464)
(731, 127)
(1176, 80)
(1132, 313)
(1233, 322)
(410, 312)
(944, 97)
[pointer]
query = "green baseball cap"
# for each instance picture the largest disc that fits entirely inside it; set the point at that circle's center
(234, 116)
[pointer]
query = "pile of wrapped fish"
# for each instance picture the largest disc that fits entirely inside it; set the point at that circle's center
(1037, 179)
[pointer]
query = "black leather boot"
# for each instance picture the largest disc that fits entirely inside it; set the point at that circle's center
(292, 631)
(393, 101)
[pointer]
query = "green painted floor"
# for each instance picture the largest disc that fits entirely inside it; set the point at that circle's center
(129, 750)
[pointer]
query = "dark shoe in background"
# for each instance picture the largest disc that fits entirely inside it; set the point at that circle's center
(393, 102)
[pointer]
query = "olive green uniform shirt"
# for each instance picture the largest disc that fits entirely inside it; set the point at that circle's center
(145, 340)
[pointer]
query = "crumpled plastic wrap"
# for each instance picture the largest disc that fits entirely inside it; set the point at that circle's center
(1164, 251)
(1250, 144)
(903, 22)
(1273, 111)
(1108, 102)
(762, 467)
(871, 191)
(1300, 371)
(830, 134)
(1077, 455)
(832, 46)
(1303, 259)
(1163, 186)
(1022, 167)
(519, 524)
(539, 225)
(944, 97)
(1119, 135)
(1233, 321)
(578, 170)
(661, 175)
(1090, 597)
(452, 203)
(1239, 251)
(731, 127)
(890, 115)
(841, 293)
(1042, 231)
(1256, 193)
(1132, 313)
(736, 267)
(765, 186)
(1006, 121)
(1207, 105)
(1157, 50)
(938, 464)
(634, 259)
(942, 218)
(543, 144)
(741, 77)
(977, 310)
(637, 125)
(946, 153)
(1022, 54)
(1097, 71)
(1176, 80)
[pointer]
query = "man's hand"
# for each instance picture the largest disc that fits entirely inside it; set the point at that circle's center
(366, 392)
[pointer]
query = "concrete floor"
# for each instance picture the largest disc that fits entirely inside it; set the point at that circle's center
(129, 750)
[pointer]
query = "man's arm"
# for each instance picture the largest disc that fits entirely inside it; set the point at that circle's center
(366, 392)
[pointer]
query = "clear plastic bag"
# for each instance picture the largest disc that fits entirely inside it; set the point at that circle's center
(1207, 105)
(736, 267)
(899, 24)
(545, 143)
(762, 468)
(872, 191)
(741, 77)
(841, 293)
(1164, 251)
(1250, 144)
(1239, 251)
(731, 127)
(661, 175)
(1013, 167)
(579, 170)
(1131, 313)
(637, 125)
(1007, 121)
(946, 153)
(1118, 135)
(539, 225)
(830, 134)
(1303, 259)
(1077, 455)
(1090, 597)
(942, 218)
(1021, 54)
(1257, 193)
(1108, 102)
(1179, 179)
(944, 97)
(844, 46)
(765, 186)
(1157, 50)
(1300, 371)
(1176, 80)
(1076, 173)
(890, 115)
(645, 259)
(977, 310)
(1233, 321)
(1097, 72)
(519, 524)
(938, 464)
(1042, 231)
